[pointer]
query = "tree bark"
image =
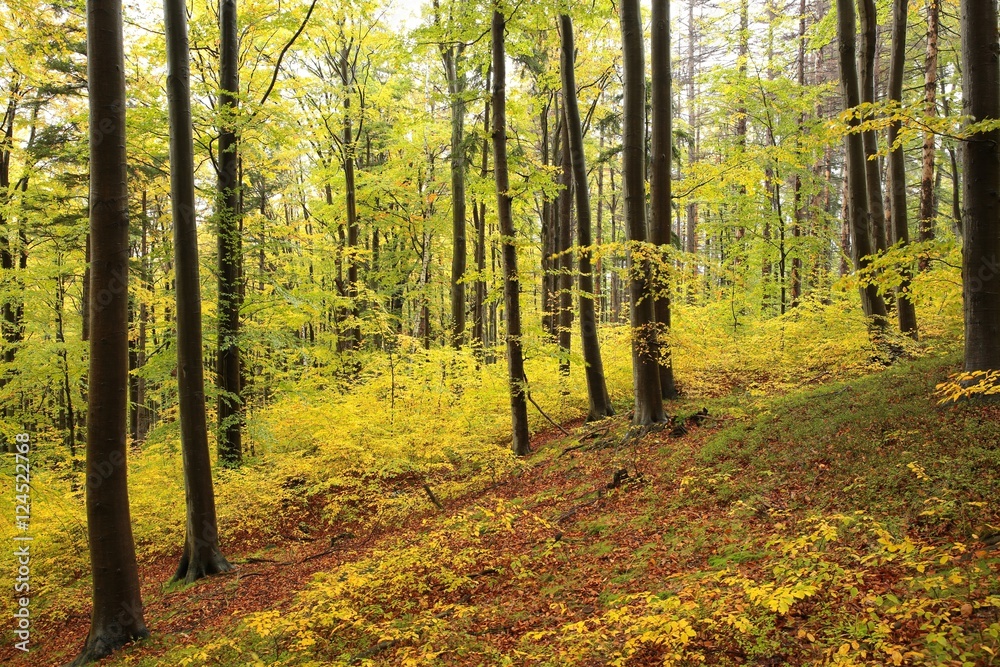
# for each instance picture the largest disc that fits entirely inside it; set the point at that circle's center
(228, 376)
(451, 58)
(873, 178)
(117, 615)
(511, 282)
(597, 389)
(645, 369)
(659, 184)
(479, 307)
(926, 223)
(857, 199)
(905, 312)
(981, 164)
(202, 555)
(564, 249)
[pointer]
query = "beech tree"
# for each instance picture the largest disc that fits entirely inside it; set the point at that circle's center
(899, 228)
(511, 282)
(202, 555)
(645, 366)
(981, 163)
(230, 248)
(597, 389)
(659, 180)
(117, 615)
(857, 192)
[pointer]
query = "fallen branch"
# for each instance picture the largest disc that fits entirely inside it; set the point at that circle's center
(573, 448)
(433, 498)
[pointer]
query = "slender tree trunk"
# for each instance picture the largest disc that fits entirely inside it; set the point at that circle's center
(873, 179)
(857, 197)
(796, 273)
(659, 184)
(691, 241)
(981, 164)
(228, 376)
(597, 389)
(511, 282)
(645, 366)
(905, 311)
(202, 555)
(564, 249)
(117, 615)
(926, 223)
(479, 308)
(348, 157)
(451, 57)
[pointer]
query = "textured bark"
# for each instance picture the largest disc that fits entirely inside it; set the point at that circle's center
(659, 182)
(202, 555)
(511, 282)
(117, 615)
(857, 196)
(905, 311)
(926, 222)
(348, 155)
(873, 179)
(797, 213)
(479, 302)
(564, 250)
(597, 389)
(451, 57)
(981, 162)
(645, 369)
(228, 375)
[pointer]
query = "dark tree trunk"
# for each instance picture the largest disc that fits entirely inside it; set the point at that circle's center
(597, 389)
(981, 164)
(202, 555)
(451, 57)
(117, 615)
(348, 157)
(873, 179)
(645, 366)
(857, 196)
(511, 283)
(564, 250)
(905, 311)
(228, 377)
(796, 273)
(926, 223)
(659, 182)
(479, 305)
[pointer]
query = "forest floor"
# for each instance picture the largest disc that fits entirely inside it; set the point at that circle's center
(850, 523)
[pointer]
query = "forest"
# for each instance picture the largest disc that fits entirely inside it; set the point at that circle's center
(483, 332)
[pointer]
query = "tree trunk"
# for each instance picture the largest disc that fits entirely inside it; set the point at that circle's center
(857, 198)
(797, 213)
(981, 164)
(564, 249)
(659, 184)
(597, 389)
(451, 57)
(645, 366)
(873, 179)
(926, 223)
(348, 157)
(511, 283)
(228, 376)
(117, 615)
(479, 305)
(905, 311)
(201, 556)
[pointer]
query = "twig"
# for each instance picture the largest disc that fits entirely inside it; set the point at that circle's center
(570, 449)
(433, 498)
